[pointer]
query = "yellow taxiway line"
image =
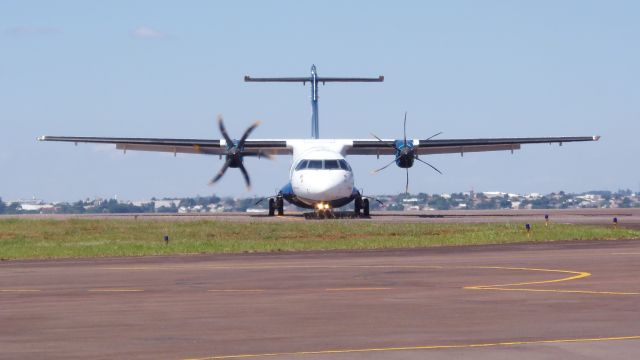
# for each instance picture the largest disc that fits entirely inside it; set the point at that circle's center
(421, 347)
(575, 275)
(518, 286)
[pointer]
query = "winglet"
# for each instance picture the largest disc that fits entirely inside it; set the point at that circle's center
(596, 138)
(41, 138)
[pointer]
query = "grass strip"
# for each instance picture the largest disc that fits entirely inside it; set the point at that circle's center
(74, 238)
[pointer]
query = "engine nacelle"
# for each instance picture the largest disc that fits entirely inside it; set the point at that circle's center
(405, 153)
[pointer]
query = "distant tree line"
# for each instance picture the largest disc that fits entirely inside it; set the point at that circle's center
(13, 208)
(107, 206)
(560, 200)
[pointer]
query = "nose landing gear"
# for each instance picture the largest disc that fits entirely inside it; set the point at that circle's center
(323, 211)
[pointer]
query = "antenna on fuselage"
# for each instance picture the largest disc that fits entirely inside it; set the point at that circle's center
(314, 79)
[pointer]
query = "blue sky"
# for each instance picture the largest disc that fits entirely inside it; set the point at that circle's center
(467, 68)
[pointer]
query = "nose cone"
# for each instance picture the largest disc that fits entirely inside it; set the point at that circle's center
(322, 185)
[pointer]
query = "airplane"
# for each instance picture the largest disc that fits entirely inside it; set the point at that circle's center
(320, 177)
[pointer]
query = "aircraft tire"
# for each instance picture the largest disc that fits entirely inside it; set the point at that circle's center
(365, 207)
(280, 205)
(272, 207)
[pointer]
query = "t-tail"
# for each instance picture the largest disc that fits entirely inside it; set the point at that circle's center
(314, 80)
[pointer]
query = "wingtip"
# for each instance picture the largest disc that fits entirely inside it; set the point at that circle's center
(596, 138)
(41, 138)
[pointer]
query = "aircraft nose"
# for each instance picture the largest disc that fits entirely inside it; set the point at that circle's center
(330, 186)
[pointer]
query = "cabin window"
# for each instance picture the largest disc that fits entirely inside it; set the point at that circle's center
(315, 164)
(331, 164)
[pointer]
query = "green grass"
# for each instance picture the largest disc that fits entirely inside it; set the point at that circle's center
(38, 239)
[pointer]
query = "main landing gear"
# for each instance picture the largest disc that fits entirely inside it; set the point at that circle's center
(361, 206)
(276, 204)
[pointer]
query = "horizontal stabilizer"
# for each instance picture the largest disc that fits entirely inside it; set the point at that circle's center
(344, 79)
(309, 79)
(283, 79)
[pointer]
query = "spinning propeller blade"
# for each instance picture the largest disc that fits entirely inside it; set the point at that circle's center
(246, 176)
(433, 167)
(406, 187)
(406, 154)
(223, 170)
(236, 153)
(223, 131)
(405, 129)
(384, 167)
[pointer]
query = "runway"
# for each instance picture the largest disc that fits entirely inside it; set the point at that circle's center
(626, 217)
(564, 300)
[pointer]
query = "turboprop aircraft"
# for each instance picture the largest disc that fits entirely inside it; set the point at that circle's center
(320, 178)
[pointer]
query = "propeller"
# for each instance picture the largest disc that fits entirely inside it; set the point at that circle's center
(235, 153)
(406, 153)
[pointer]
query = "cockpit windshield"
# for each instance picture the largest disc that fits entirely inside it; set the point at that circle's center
(302, 165)
(331, 164)
(344, 165)
(336, 164)
(315, 164)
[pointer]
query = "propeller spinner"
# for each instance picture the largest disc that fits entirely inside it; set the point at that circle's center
(405, 154)
(236, 152)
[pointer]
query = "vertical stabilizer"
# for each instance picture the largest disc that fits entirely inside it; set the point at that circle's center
(315, 127)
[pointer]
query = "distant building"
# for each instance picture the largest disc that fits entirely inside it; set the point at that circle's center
(37, 207)
(411, 200)
(166, 203)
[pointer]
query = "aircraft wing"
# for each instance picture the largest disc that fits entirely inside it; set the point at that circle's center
(188, 146)
(447, 146)
(280, 147)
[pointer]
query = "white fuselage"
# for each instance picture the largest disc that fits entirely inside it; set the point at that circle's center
(319, 172)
